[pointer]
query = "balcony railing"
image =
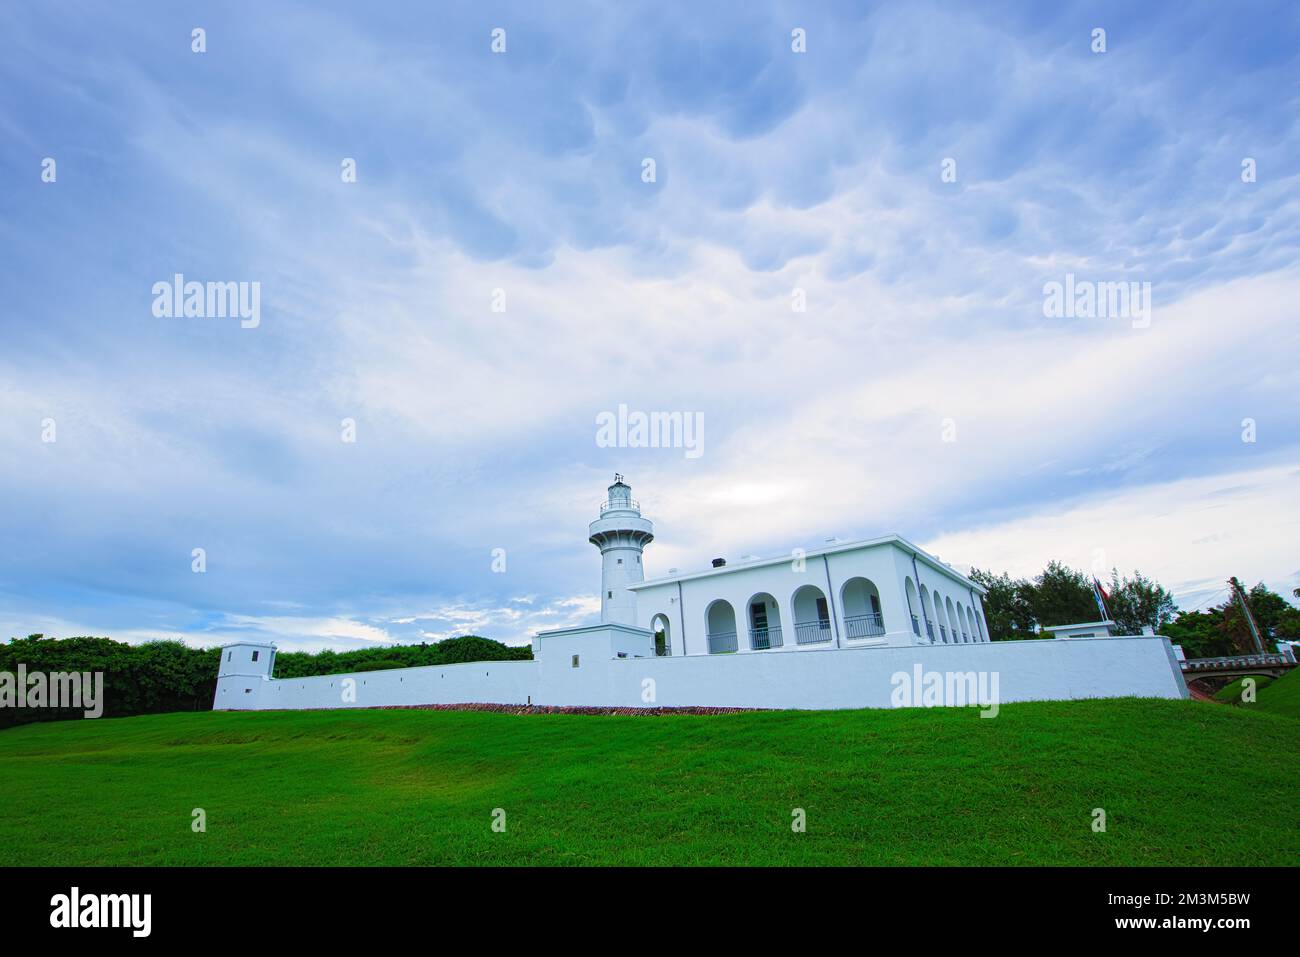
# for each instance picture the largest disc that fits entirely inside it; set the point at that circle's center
(943, 634)
(916, 626)
(812, 632)
(761, 639)
(929, 629)
(864, 626)
(722, 642)
(614, 503)
(965, 637)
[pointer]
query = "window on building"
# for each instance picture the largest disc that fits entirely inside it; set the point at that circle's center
(230, 655)
(255, 654)
(611, 594)
(822, 614)
(575, 661)
(620, 561)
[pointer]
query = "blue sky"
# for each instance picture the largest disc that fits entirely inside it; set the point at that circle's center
(1089, 440)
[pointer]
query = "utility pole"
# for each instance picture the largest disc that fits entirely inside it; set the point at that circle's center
(1245, 608)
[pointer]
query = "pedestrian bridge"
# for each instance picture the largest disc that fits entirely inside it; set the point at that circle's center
(1235, 666)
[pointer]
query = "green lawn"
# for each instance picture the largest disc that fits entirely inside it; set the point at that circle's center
(1182, 782)
(1281, 696)
(1232, 691)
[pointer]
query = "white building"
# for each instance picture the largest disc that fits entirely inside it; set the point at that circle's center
(829, 627)
(885, 591)
(1086, 629)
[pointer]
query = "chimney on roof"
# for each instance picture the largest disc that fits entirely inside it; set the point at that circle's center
(719, 562)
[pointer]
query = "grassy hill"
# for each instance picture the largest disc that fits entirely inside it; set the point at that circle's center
(1280, 697)
(1231, 692)
(1182, 782)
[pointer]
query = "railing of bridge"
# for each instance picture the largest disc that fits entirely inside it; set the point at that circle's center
(1235, 661)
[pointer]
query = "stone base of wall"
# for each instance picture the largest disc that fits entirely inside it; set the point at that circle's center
(559, 709)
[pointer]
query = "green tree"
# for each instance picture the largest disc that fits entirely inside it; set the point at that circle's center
(1200, 633)
(1007, 611)
(170, 676)
(1139, 601)
(301, 664)
(1235, 630)
(138, 679)
(1275, 616)
(1288, 625)
(1061, 595)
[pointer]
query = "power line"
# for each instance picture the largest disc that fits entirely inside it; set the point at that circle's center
(1213, 596)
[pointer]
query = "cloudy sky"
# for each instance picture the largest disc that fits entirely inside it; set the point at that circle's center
(501, 272)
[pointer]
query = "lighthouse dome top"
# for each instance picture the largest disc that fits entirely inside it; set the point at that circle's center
(619, 497)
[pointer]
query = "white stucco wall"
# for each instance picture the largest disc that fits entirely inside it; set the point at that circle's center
(820, 679)
(861, 678)
(479, 682)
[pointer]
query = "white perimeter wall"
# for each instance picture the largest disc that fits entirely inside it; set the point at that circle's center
(479, 682)
(845, 678)
(861, 678)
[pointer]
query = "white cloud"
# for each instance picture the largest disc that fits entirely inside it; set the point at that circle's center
(476, 429)
(1190, 534)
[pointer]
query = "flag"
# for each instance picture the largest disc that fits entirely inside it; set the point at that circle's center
(1100, 595)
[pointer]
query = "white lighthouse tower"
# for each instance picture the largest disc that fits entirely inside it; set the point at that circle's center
(621, 534)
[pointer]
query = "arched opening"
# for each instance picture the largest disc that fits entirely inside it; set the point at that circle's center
(955, 629)
(663, 643)
(914, 607)
(927, 608)
(764, 622)
(860, 599)
(979, 624)
(940, 619)
(812, 617)
(964, 621)
(720, 621)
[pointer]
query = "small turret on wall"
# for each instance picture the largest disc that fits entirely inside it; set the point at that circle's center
(245, 667)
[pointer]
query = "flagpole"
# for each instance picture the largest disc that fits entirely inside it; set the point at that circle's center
(1096, 594)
